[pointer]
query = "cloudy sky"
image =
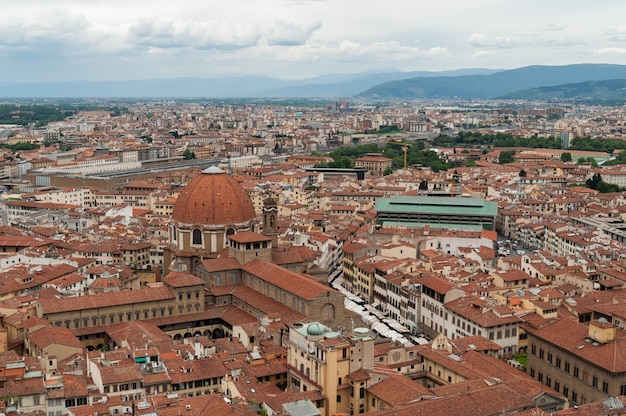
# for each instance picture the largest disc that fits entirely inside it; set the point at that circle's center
(70, 40)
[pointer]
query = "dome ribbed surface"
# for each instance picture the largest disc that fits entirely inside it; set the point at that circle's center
(315, 329)
(213, 198)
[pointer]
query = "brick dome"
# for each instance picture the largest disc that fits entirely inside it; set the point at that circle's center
(213, 198)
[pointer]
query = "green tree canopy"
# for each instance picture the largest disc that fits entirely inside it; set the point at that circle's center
(506, 156)
(188, 154)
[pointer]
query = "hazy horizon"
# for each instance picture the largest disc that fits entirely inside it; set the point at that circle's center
(72, 40)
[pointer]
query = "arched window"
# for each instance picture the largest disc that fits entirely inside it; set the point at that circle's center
(197, 237)
(229, 231)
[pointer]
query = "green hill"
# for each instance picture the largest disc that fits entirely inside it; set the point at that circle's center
(494, 85)
(594, 92)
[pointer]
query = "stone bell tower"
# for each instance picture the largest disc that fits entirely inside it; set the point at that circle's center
(270, 221)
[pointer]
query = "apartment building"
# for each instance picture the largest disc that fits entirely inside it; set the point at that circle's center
(584, 362)
(375, 163)
(322, 359)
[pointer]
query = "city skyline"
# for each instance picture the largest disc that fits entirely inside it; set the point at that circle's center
(61, 41)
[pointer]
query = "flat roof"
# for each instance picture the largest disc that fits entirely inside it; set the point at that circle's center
(446, 225)
(437, 205)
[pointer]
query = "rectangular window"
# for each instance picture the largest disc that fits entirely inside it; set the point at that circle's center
(594, 382)
(558, 362)
(605, 387)
(575, 371)
(566, 366)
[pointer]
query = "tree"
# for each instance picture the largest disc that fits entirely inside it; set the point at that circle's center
(589, 159)
(566, 157)
(423, 185)
(188, 154)
(605, 187)
(470, 163)
(388, 171)
(594, 181)
(522, 173)
(506, 157)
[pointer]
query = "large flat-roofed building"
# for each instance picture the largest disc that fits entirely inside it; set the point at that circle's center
(452, 212)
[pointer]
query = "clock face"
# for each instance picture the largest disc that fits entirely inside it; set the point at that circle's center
(395, 356)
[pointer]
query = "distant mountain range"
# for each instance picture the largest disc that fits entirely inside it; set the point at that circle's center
(612, 91)
(581, 81)
(494, 85)
(331, 85)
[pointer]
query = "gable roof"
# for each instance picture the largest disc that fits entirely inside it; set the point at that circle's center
(299, 285)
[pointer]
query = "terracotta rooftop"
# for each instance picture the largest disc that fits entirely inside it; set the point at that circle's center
(107, 299)
(182, 279)
(295, 283)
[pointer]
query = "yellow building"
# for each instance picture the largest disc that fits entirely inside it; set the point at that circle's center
(375, 163)
(321, 359)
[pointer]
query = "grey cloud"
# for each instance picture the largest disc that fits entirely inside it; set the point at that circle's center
(198, 35)
(480, 40)
(56, 27)
(290, 34)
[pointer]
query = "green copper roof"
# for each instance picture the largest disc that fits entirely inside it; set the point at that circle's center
(445, 225)
(437, 205)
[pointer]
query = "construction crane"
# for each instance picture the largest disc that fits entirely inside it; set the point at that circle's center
(405, 147)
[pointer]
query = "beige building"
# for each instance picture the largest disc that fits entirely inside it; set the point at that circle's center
(584, 362)
(375, 163)
(179, 294)
(319, 357)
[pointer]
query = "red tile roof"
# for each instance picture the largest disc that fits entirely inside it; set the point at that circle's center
(101, 300)
(182, 279)
(295, 283)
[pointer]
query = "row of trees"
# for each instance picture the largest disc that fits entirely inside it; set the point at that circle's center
(42, 114)
(475, 139)
(345, 156)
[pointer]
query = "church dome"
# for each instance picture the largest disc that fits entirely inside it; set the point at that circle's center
(315, 329)
(213, 198)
